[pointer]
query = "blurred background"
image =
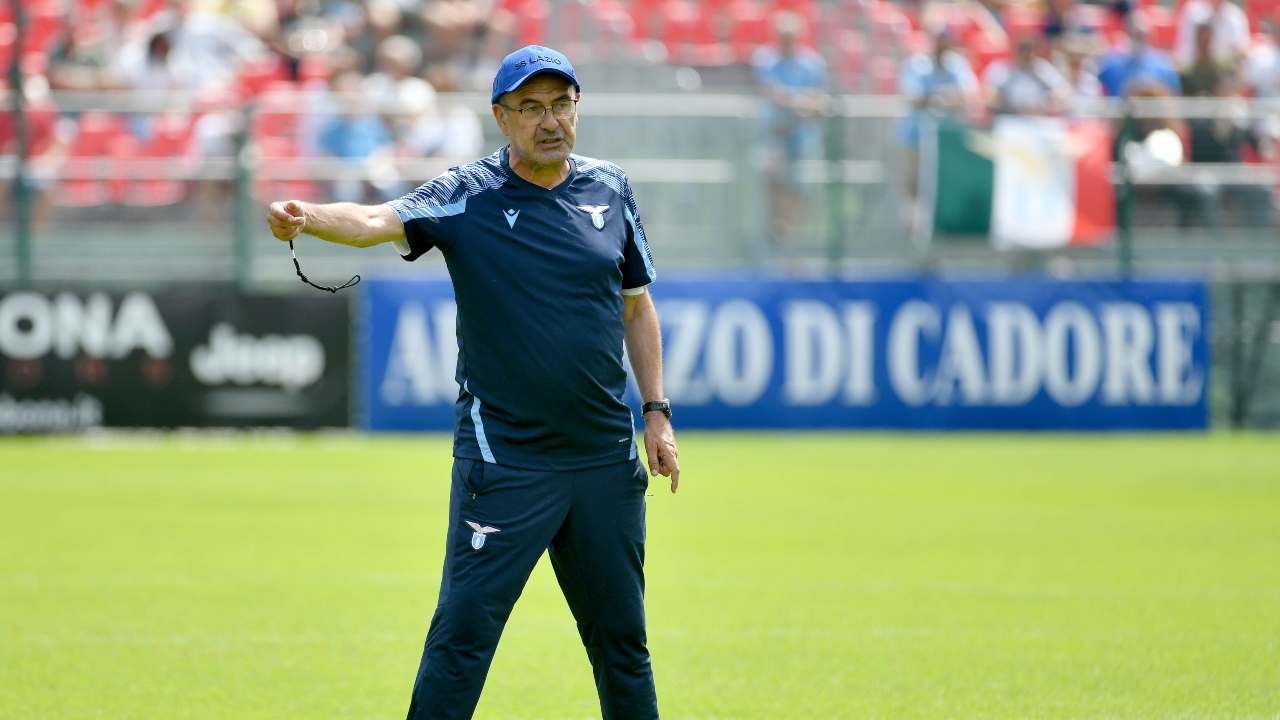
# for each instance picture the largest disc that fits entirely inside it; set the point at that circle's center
(800, 139)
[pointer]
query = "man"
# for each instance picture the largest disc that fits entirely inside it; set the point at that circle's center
(1030, 85)
(939, 85)
(1139, 68)
(1229, 31)
(549, 265)
(793, 79)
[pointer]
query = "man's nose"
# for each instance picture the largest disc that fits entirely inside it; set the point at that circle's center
(550, 121)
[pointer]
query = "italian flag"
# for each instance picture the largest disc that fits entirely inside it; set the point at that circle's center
(1028, 182)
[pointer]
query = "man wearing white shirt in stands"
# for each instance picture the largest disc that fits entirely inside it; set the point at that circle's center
(1230, 31)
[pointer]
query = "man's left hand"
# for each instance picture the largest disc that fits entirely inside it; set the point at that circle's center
(660, 448)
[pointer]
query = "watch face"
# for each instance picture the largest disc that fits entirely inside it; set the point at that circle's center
(662, 406)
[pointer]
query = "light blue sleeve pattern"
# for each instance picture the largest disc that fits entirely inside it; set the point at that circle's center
(426, 210)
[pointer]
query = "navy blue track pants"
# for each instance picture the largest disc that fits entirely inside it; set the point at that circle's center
(501, 519)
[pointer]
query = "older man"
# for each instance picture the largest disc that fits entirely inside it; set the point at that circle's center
(549, 265)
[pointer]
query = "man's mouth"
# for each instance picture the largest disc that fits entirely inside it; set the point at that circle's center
(549, 143)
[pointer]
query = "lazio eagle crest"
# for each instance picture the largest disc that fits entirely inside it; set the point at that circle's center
(597, 214)
(481, 532)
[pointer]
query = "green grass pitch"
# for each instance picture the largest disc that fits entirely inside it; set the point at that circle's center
(794, 576)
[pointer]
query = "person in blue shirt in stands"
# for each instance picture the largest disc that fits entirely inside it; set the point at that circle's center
(1138, 67)
(550, 268)
(793, 79)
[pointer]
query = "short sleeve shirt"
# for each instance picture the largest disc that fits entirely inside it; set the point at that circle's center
(538, 275)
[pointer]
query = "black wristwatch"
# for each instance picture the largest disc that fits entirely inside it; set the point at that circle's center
(663, 406)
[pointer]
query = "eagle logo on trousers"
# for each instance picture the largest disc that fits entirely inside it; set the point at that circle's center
(481, 532)
(597, 214)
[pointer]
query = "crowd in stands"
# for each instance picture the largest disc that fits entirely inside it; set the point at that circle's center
(362, 84)
(359, 80)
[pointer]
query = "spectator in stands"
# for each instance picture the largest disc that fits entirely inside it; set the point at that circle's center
(203, 48)
(941, 86)
(304, 29)
(358, 136)
(1137, 68)
(1207, 74)
(455, 33)
(939, 83)
(1075, 62)
(1261, 71)
(1030, 85)
(1261, 75)
(156, 68)
(83, 60)
(1067, 19)
(399, 61)
(454, 131)
(122, 24)
(793, 79)
(1222, 138)
(1229, 30)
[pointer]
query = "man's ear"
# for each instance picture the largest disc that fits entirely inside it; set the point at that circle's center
(501, 117)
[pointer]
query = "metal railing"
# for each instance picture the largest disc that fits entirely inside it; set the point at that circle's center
(695, 160)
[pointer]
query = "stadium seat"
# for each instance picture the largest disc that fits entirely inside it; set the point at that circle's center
(683, 27)
(277, 115)
(42, 32)
(806, 9)
(172, 138)
(8, 45)
(890, 24)
(257, 74)
(850, 69)
(1164, 26)
(750, 28)
(884, 76)
(613, 23)
(531, 21)
(98, 138)
(276, 152)
(1023, 20)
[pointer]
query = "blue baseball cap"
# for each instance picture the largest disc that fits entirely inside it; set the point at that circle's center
(528, 61)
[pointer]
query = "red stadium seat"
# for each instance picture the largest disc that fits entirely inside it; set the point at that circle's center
(750, 28)
(281, 153)
(1023, 21)
(1164, 26)
(277, 114)
(889, 24)
(8, 45)
(806, 9)
(256, 75)
(851, 71)
(42, 31)
(172, 139)
(98, 138)
(884, 76)
(613, 23)
(531, 21)
(684, 26)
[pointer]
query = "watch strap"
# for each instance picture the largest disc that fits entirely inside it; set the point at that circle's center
(663, 406)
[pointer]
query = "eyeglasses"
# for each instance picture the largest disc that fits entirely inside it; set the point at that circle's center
(535, 114)
(327, 288)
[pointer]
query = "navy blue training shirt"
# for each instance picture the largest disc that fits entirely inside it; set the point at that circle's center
(539, 276)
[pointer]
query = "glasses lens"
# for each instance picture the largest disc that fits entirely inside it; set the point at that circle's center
(562, 108)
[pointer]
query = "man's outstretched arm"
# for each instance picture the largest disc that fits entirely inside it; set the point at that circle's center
(343, 223)
(644, 347)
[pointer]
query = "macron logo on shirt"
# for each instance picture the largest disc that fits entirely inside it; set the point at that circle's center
(511, 217)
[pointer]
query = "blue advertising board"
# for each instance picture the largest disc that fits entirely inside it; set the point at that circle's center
(1016, 354)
